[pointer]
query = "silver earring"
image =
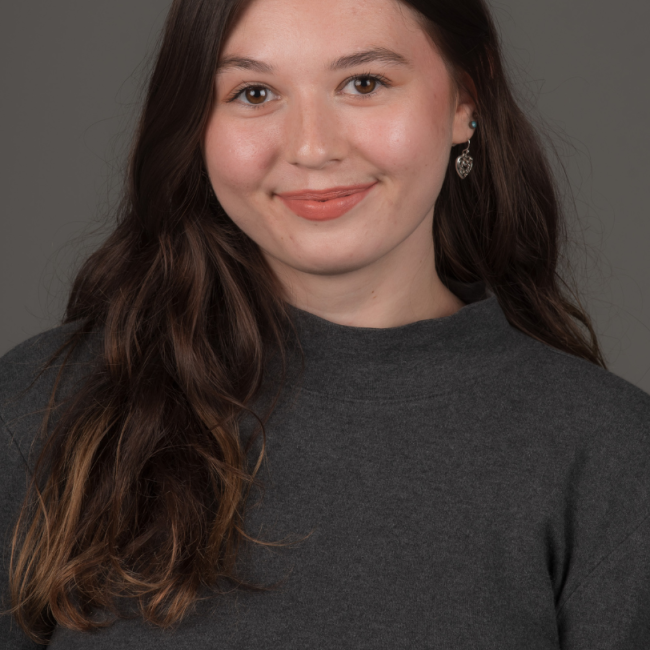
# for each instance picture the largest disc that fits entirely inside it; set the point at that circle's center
(464, 162)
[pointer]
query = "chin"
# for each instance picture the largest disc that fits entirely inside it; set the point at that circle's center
(327, 263)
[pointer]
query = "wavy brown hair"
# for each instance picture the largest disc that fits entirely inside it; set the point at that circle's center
(140, 489)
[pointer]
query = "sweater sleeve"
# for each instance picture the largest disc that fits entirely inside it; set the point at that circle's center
(610, 609)
(12, 491)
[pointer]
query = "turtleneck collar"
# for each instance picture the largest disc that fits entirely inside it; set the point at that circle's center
(404, 362)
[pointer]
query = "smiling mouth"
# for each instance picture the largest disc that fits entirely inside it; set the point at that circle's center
(325, 195)
(323, 205)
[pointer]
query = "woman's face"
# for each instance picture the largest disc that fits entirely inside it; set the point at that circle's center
(314, 95)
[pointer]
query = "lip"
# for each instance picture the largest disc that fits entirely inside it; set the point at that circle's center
(323, 205)
(325, 195)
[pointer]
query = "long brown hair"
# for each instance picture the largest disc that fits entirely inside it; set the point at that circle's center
(140, 488)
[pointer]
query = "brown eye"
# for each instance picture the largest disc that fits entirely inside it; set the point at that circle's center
(365, 85)
(256, 94)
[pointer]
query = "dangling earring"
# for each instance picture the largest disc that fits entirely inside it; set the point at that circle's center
(464, 162)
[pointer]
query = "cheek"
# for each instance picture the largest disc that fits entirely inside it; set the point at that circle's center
(409, 138)
(238, 155)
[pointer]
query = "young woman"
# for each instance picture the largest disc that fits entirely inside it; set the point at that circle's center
(323, 386)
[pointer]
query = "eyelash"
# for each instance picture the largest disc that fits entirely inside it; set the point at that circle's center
(375, 77)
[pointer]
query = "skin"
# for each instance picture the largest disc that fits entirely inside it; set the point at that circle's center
(316, 128)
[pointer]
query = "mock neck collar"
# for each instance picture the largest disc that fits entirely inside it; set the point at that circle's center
(403, 362)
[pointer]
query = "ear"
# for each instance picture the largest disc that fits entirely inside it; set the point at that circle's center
(465, 110)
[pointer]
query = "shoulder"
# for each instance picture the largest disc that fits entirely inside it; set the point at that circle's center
(28, 375)
(571, 386)
(19, 364)
(593, 429)
(583, 425)
(591, 433)
(532, 378)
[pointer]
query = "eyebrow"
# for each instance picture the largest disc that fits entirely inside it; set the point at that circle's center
(374, 55)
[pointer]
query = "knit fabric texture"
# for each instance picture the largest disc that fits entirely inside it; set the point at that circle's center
(459, 486)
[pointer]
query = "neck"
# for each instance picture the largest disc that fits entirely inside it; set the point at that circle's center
(401, 287)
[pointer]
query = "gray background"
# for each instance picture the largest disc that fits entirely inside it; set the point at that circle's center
(72, 73)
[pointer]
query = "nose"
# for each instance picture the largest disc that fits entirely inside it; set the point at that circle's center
(313, 136)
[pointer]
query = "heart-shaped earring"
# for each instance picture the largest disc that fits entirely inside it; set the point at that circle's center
(464, 162)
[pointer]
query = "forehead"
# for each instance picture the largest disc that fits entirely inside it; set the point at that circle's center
(302, 29)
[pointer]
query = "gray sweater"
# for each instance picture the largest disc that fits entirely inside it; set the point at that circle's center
(466, 488)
